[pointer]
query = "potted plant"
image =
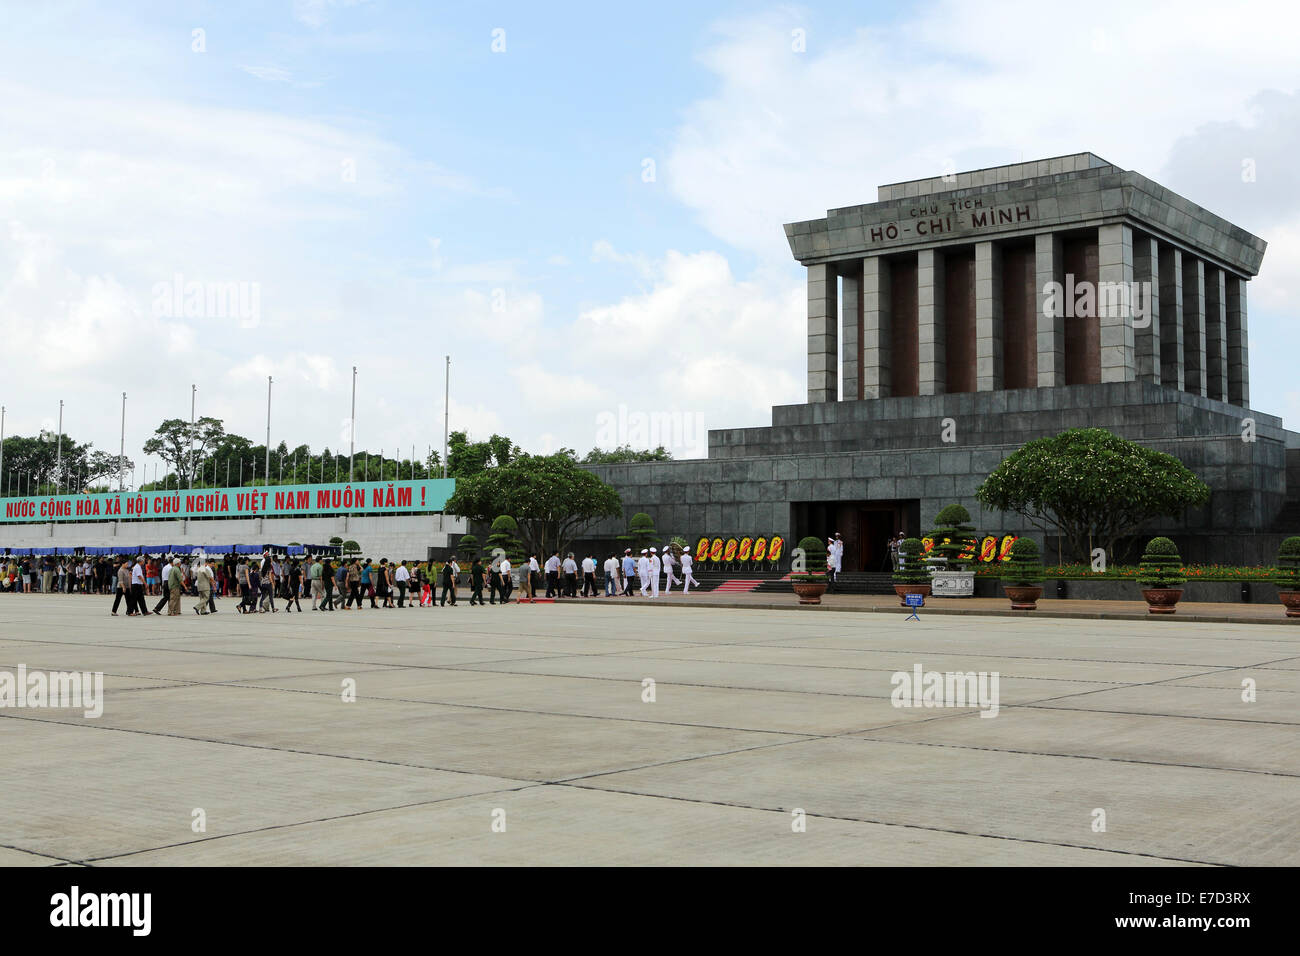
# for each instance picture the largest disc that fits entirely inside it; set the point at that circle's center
(1022, 576)
(1288, 575)
(1160, 576)
(911, 576)
(954, 548)
(810, 584)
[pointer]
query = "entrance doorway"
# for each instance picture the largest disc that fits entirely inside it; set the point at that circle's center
(864, 526)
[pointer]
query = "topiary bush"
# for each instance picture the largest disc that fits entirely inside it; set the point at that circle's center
(467, 546)
(1161, 565)
(1288, 565)
(911, 563)
(814, 551)
(1025, 567)
(953, 536)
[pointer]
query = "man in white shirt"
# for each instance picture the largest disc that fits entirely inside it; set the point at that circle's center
(687, 578)
(203, 578)
(553, 575)
(570, 576)
(505, 584)
(137, 587)
(670, 578)
(529, 577)
(402, 578)
(656, 566)
(611, 576)
(643, 571)
(589, 576)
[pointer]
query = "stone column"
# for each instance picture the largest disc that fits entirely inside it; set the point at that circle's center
(1238, 347)
(851, 331)
(1216, 333)
(1194, 325)
(988, 317)
(1049, 268)
(1146, 310)
(1114, 285)
(932, 374)
(876, 322)
(823, 342)
(1172, 372)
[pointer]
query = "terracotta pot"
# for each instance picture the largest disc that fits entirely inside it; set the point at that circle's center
(1024, 597)
(902, 590)
(810, 592)
(1162, 600)
(1292, 601)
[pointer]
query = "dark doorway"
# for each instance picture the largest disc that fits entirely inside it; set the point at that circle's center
(865, 527)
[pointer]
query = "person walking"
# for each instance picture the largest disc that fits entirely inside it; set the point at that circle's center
(174, 577)
(450, 571)
(124, 589)
(507, 582)
(656, 566)
(203, 580)
(611, 576)
(295, 585)
(476, 576)
(137, 586)
(570, 576)
(530, 576)
(326, 584)
(553, 575)
(669, 578)
(629, 569)
(314, 571)
(589, 577)
(687, 578)
(643, 572)
(402, 579)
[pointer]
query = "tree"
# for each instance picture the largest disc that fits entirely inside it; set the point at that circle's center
(467, 546)
(101, 464)
(625, 453)
(551, 498)
(183, 446)
(954, 537)
(503, 537)
(641, 531)
(1092, 486)
(350, 548)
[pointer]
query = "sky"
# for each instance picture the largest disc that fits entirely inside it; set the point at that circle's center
(580, 203)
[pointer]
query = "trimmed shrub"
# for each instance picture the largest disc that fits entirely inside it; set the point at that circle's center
(1288, 565)
(1025, 567)
(814, 551)
(911, 560)
(1161, 565)
(467, 547)
(953, 536)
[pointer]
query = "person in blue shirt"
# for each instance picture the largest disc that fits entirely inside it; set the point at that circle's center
(629, 568)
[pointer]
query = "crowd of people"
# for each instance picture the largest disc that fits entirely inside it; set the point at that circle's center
(338, 584)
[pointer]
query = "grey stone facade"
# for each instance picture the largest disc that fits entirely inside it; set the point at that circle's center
(939, 370)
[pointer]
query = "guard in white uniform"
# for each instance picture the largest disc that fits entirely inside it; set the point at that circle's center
(687, 578)
(670, 578)
(655, 568)
(643, 571)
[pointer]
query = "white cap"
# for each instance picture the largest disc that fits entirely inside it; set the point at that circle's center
(654, 550)
(687, 550)
(644, 551)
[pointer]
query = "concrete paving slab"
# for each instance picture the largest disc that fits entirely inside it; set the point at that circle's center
(760, 677)
(567, 826)
(1193, 742)
(850, 658)
(1224, 703)
(536, 746)
(621, 699)
(89, 806)
(411, 649)
(1179, 813)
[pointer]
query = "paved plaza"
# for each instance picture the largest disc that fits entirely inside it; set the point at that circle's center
(523, 735)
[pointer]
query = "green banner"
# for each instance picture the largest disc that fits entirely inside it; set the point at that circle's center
(274, 501)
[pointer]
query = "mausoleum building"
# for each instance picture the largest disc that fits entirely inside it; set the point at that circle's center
(958, 317)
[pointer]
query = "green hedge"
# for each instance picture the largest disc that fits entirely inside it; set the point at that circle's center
(1161, 565)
